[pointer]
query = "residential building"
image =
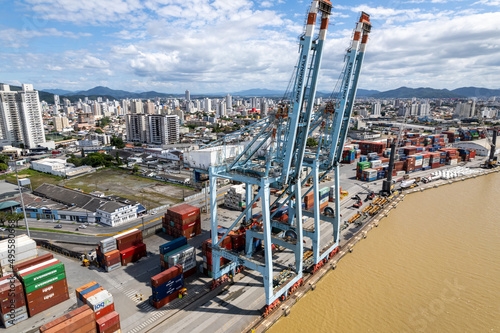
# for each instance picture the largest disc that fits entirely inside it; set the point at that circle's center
(376, 109)
(21, 117)
(60, 123)
(154, 129)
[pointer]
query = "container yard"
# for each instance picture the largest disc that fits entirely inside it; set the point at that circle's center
(284, 222)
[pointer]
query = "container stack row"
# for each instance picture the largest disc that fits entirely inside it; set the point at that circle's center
(165, 286)
(206, 248)
(235, 197)
(178, 252)
(108, 254)
(101, 302)
(44, 284)
(121, 249)
(13, 302)
(182, 221)
(22, 249)
(84, 320)
(81, 320)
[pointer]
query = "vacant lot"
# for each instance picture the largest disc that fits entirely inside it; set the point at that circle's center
(115, 181)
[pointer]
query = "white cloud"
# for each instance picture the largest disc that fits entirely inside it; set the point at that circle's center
(16, 38)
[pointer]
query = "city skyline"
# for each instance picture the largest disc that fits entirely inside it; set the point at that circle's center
(236, 45)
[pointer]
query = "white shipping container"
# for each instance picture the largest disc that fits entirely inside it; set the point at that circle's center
(418, 162)
(113, 267)
(46, 262)
(108, 249)
(108, 242)
(20, 245)
(19, 256)
(125, 233)
(18, 319)
(15, 313)
(100, 300)
(183, 255)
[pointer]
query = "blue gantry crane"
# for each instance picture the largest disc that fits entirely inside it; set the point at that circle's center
(275, 156)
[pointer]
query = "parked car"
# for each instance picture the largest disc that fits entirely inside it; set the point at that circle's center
(83, 226)
(59, 226)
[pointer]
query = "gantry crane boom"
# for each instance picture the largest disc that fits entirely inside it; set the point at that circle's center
(280, 140)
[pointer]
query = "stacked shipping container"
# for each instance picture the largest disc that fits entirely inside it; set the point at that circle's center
(12, 299)
(25, 249)
(44, 285)
(182, 221)
(101, 302)
(81, 320)
(166, 285)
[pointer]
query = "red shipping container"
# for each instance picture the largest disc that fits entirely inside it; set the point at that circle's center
(112, 261)
(45, 304)
(33, 301)
(33, 262)
(184, 211)
(132, 250)
(7, 299)
(111, 255)
(112, 329)
(189, 272)
(48, 289)
(166, 300)
(28, 271)
(105, 311)
(107, 321)
(18, 302)
(72, 314)
(165, 276)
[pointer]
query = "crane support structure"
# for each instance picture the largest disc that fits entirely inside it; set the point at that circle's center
(275, 156)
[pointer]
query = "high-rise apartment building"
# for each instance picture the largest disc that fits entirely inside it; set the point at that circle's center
(21, 116)
(136, 106)
(187, 96)
(229, 102)
(163, 129)
(60, 123)
(154, 129)
(376, 109)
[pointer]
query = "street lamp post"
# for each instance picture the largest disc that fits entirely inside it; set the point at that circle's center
(22, 203)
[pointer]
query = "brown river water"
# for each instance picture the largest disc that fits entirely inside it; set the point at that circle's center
(433, 265)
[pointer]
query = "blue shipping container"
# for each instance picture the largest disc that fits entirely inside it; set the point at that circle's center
(172, 283)
(83, 292)
(170, 246)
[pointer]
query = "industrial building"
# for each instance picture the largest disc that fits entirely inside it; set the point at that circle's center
(61, 203)
(59, 167)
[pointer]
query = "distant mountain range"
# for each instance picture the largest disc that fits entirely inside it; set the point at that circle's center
(403, 92)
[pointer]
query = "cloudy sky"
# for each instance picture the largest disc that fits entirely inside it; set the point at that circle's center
(231, 45)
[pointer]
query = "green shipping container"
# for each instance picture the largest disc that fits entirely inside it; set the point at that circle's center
(44, 283)
(324, 190)
(168, 254)
(43, 274)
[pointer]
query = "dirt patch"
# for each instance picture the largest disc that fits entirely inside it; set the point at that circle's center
(147, 191)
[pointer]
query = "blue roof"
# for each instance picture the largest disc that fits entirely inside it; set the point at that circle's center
(8, 204)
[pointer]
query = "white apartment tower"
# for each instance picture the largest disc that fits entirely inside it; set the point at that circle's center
(207, 104)
(21, 116)
(376, 109)
(229, 102)
(187, 96)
